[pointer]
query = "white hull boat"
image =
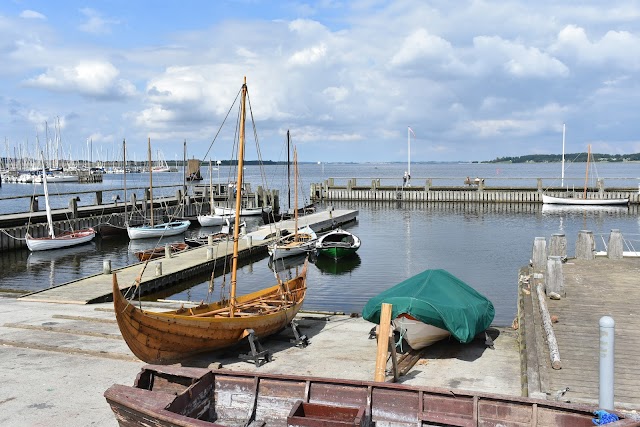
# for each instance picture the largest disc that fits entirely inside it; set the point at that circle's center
(243, 211)
(418, 334)
(294, 244)
(160, 230)
(580, 201)
(213, 220)
(65, 240)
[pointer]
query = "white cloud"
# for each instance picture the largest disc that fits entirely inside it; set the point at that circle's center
(620, 47)
(95, 23)
(32, 14)
(89, 78)
(309, 55)
(517, 59)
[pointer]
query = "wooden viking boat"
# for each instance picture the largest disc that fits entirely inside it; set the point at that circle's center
(168, 337)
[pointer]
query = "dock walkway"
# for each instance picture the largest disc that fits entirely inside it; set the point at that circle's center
(182, 265)
(594, 288)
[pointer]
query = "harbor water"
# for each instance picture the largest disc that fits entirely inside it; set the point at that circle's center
(482, 244)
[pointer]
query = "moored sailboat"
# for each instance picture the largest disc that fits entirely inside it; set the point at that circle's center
(167, 337)
(62, 240)
(586, 197)
(152, 230)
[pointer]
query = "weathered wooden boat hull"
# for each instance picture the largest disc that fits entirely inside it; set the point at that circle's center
(578, 201)
(168, 337)
(176, 396)
(62, 241)
(159, 251)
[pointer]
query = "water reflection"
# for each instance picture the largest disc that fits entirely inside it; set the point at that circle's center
(338, 267)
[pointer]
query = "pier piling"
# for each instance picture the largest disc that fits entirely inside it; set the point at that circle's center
(614, 247)
(558, 245)
(585, 245)
(555, 278)
(158, 268)
(539, 257)
(106, 266)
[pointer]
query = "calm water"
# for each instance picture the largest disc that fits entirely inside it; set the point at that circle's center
(484, 245)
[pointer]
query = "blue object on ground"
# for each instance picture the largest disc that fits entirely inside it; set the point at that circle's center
(604, 417)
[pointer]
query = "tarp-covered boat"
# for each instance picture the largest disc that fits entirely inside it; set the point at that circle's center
(436, 298)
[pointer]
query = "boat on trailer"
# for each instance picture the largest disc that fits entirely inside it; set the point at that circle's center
(180, 396)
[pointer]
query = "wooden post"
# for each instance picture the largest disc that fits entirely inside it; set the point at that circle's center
(158, 268)
(539, 256)
(73, 207)
(383, 342)
(585, 245)
(554, 352)
(615, 247)
(98, 197)
(167, 251)
(33, 205)
(558, 245)
(555, 276)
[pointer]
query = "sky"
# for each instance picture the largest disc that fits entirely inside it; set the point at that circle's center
(474, 80)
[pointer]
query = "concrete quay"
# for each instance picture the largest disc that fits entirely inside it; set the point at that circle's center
(58, 359)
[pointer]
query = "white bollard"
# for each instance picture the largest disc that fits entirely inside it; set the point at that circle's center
(607, 332)
(106, 266)
(249, 241)
(167, 251)
(210, 239)
(209, 253)
(158, 268)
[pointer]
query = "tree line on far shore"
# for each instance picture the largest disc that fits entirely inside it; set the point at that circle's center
(571, 157)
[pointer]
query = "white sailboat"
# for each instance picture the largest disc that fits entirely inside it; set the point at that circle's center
(302, 240)
(586, 198)
(152, 230)
(53, 241)
(213, 219)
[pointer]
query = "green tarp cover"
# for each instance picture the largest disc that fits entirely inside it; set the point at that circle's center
(438, 298)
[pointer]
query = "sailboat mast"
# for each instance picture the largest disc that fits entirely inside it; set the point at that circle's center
(150, 179)
(563, 133)
(184, 176)
(586, 178)
(288, 170)
(236, 225)
(124, 171)
(211, 208)
(295, 196)
(46, 199)
(409, 150)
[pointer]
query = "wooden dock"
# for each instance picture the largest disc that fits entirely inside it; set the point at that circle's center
(594, 288)
(180, 266)
(472, 193)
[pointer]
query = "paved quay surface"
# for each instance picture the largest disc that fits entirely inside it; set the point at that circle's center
(56, 360)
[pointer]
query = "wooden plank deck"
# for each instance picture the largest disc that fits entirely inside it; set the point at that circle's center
(594, 288)
(97, 288)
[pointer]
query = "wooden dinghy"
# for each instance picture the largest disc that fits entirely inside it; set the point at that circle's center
(159, 251)
(176, 396)
(167, 337)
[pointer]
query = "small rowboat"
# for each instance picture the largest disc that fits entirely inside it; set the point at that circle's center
(160, 251)
(338, 244)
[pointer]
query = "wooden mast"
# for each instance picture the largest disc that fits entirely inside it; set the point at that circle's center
(236, 224)
(586, 178)
(288, 170)
(150, 179)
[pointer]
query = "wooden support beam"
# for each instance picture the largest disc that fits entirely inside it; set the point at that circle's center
(383, 342)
